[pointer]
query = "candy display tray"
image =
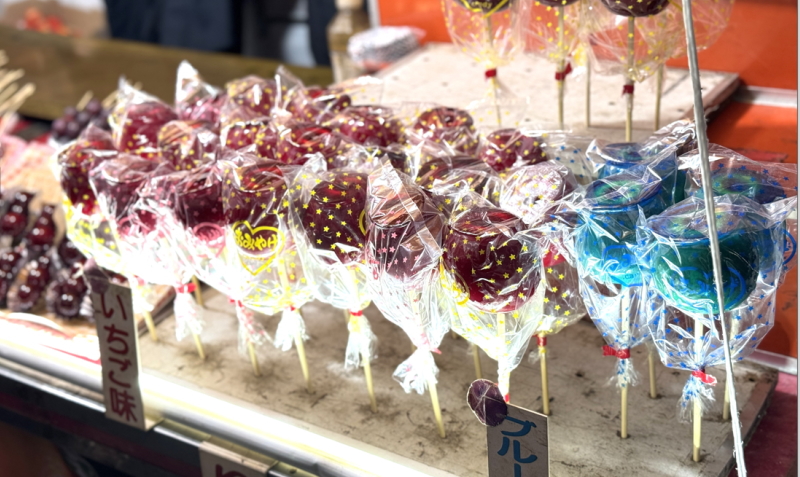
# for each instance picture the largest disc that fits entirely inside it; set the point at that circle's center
(428, 76)
(585, 410)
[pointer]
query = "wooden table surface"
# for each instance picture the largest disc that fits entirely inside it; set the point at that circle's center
(63, 69)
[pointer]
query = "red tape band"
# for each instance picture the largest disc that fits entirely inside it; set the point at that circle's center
(624, 353)
(188, 288)
(356, 313)
(562, 75)
(704, 378)
(541, 341)
(490, 73)
(627, 89)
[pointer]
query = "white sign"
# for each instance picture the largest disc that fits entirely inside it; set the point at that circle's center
(518, 446)
(119, 350)
(216, 461)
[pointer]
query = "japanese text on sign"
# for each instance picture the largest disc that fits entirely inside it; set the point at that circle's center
(119, 355)
(519, 446)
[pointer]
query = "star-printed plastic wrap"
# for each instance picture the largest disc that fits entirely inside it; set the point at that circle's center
(368, 125)
(551, 29)
(533, 192)
(200, 214)
(403, 251)
(676, 264)
(196, 100)
(632, 38)
(488, 31)
(188, 144)
(258, 135)
(249, 98)
(762, 182)
(448, 177)
(490, 278)
(329, 225)
(451, 127)
(260, 250)
(136, 119)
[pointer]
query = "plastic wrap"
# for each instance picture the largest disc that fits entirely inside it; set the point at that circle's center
(328, 222)
(196, 100)
(451, 127)
(551, 29)
(403, 252)
(200, 214)
(298, 141)
(136, 120)
(603, 247)
(532, 192)
(368, 125)
(733, 173)
(259, 248)
(448, 177)
(310, 103)
(710, 18)
(151, 254)
(249, 98)
(656, 37)
(509, 148)
(257, 135)
(488, 32)
(188, 144)
(676, 262)
(489, 278)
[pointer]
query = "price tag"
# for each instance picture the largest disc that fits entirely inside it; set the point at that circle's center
(518, 446)
(216, 461)
(119, 350)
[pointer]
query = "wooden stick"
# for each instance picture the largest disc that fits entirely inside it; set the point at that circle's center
(504, 380)
(6, 94)
(476, 359)
(373, 404)
(437, 410)
(9, 77)
(365, 357)
(659, 90)
(151, 326)
(298, 338)
(251, 350)
(623, 429)
(87, 96)
(198, 292)
(561, 68)
(651, 363)
(629, 81)
(545, 387)
(726, 400)
(697, 418)
(301, 353)
(16, 101)
(493, 79)
(200, 351)
(109, 100)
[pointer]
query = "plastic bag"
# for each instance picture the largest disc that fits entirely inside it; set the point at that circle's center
(403, 252)
(328, 223)
(488, 32)
(489, 278)
(196, 100)
(733, 173)
(187, 144)
(632, 38)
(683, 312)
(136, 119)
(532, 192)
(259, 248)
